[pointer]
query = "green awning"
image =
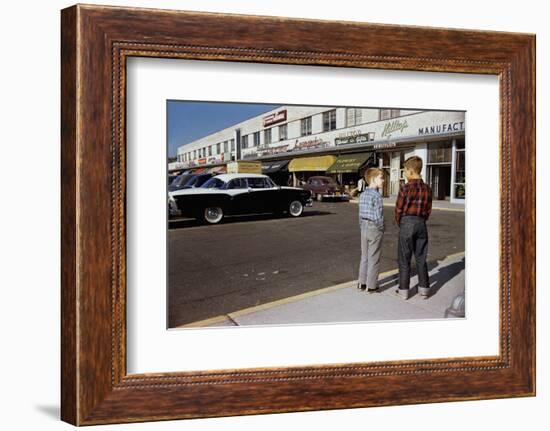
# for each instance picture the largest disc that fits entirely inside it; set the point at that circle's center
(348, 163)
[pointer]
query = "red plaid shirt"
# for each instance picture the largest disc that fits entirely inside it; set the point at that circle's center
(414, 198)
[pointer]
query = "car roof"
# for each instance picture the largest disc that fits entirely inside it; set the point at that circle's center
(229, 177)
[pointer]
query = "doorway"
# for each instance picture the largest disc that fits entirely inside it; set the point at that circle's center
(440, 181)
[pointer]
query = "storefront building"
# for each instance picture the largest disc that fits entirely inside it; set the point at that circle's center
(295, 142)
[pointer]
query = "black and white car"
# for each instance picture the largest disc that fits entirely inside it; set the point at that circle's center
(236, 194)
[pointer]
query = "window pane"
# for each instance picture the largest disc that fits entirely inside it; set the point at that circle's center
(460, 191)
(283, 132)
(350, 117)
(305, 126)
(440, 152)
(385, 114)
(267, 136)
(460, 167)
(329, 120)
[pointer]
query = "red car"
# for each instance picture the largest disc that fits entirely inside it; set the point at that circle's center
(325, 188)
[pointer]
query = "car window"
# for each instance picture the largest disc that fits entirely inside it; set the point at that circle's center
(258, 183)
(213, 183)
(192, 181)
(270, 182)
(202, 179)
(237, 183)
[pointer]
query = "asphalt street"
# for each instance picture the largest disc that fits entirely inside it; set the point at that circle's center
(248, 261)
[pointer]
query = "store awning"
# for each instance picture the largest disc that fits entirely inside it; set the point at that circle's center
(217, 170)
(309, 164)
(272, 167)
(348, 163)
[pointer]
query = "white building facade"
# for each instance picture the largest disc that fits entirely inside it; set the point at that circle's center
(341, 141)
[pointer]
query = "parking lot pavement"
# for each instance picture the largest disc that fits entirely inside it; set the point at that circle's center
(250, 261)
(344, 303)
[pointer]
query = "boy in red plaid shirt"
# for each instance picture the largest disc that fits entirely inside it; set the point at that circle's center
(412, 209)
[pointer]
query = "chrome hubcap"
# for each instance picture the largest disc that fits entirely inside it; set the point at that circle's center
(295, 208)
(213, 214)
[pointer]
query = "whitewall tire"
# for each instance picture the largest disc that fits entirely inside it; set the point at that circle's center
(212, 215)
(295, 208)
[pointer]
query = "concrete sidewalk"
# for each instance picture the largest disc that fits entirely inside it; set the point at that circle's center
(345, 303)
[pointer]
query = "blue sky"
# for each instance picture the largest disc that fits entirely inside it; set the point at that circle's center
(188, 121)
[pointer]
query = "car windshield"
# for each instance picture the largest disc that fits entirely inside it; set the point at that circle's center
(213, 183)
(327, 181)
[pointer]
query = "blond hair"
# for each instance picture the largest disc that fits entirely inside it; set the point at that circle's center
(414, 164)
(372, 173)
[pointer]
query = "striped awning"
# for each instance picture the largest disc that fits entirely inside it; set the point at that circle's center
(311, 164)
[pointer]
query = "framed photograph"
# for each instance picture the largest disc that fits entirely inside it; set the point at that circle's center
(259, 216)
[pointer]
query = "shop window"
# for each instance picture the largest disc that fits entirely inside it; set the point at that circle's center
(329, 120)
(210, 150)
(305, 126)
(226, 146)
(218, 148)
(460, 175)
(440, 152)
(232, 144)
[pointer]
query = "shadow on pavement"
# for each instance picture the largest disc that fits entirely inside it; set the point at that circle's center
(189, 222)
(437, 279)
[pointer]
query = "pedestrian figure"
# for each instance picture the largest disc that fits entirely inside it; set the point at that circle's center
(371, 222)
(361, 184)
(412, 209)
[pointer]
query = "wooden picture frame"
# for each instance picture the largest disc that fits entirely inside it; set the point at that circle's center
(95, 43)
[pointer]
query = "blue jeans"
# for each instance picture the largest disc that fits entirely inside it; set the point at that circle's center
(413, 239)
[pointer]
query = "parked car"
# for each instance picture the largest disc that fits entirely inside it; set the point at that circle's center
(324, 188)
(236, 194)
(179, 182)
(197, 180)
